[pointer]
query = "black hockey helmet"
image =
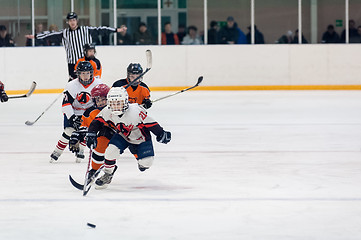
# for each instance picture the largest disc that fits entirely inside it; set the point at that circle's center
(85, 66)
(134, 68)
(71, 15)
(88, 46)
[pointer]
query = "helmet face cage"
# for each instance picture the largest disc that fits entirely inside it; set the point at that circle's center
(117, 100)
(99, 95)
(85, 66)
(134, 69)
(87, 47)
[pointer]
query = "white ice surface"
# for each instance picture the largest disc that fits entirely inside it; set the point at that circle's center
(241, 165)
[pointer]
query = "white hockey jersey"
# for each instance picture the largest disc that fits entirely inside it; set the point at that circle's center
(77, 97)
(134, 125)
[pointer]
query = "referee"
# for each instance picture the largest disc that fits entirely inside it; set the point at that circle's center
(74, 38)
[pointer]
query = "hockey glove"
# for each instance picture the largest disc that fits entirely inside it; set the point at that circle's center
(75, 121)
(91, 140)
(75, 139)
(147, 103)
(3, 96)
(164, 138)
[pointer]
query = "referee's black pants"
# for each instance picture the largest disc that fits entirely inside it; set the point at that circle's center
(71, 71)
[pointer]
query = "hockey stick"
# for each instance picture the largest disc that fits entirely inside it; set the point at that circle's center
(29, 123)
(200, 79)
(149, 57)
(85, 189)
(81, 186)
(31, 90)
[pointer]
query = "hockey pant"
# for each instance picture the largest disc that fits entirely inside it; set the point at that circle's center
(143, 152)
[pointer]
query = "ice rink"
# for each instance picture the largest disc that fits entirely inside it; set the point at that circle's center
(260, 165)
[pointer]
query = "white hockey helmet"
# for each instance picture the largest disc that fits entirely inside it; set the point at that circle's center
(117, 100)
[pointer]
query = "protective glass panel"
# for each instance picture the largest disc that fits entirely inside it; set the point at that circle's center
(237, 12)
(15, 21)
(331, 21)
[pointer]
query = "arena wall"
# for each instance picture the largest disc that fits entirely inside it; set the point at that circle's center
(226, 67)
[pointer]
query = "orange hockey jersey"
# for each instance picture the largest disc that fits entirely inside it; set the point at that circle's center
(136, 93)
(95, 63)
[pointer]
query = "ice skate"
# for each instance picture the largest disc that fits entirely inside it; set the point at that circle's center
(92, 176)
(142, 168)
(54, 156)
(104, 180)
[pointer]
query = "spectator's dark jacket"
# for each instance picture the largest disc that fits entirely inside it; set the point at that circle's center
(212, 36)
(354, 37)
(143, 38)
(258, 37)
(330, 38)
(6, 42)
(295, 39)
(125, 40)
(226, 34)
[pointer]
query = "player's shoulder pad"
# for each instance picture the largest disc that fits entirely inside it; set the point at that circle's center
(88, 111)
(135, 108)
(105, 112)
(144, 85)
(120, 83)
(142, 108)
(97, 62)
(72, 87)
(96, 81)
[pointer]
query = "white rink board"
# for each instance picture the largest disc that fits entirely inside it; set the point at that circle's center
(275, 165)
(221, 65)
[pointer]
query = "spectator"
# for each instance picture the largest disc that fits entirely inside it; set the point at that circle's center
(230, 33)
(124, 38)
(181, 32)
(168, 37)
(242, 39)
(285, 38)
(38, 42)
(192, 37)
(295, 38)
(330, 36)
(5, 38)
(354, 37)
(359, 33)
(142, 36)
(54, 42)
(258, 36)
(213, 33)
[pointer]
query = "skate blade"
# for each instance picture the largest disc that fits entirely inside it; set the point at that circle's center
(101, 187)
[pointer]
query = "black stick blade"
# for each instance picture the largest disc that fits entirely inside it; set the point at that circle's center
(75, 184)
(200, 79)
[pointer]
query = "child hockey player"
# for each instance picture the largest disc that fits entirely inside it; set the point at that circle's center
(76, 100)
(138, 91)
(133, 126)
(99, 96)
(89, 55)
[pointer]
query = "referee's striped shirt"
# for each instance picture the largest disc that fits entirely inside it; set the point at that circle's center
(74, 40)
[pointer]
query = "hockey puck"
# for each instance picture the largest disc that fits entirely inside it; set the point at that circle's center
(91, 225)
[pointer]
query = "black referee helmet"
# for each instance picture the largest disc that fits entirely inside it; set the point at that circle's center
(71, 15)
